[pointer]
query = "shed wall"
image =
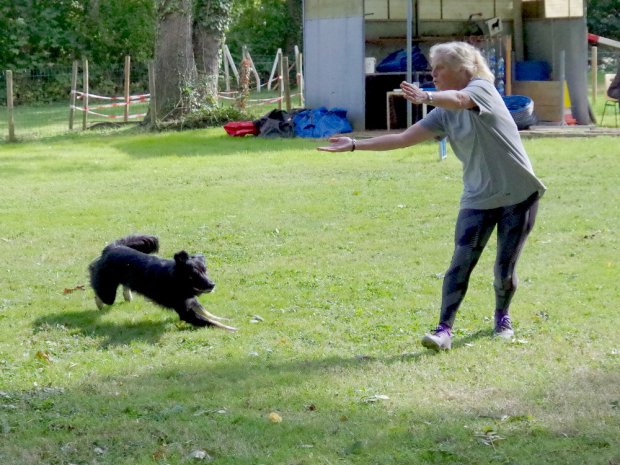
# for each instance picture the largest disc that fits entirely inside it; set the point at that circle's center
(545, 39)
(334, 63)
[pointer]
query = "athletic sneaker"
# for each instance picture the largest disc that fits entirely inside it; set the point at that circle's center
(439, 339)
(503, 327)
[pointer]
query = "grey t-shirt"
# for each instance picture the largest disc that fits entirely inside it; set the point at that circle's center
(496, 169)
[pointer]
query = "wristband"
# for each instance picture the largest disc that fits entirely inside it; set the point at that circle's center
(353, 142)
(429, 97)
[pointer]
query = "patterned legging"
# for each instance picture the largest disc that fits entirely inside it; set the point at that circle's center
(472, 232)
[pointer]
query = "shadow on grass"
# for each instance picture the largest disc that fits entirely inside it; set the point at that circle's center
(227, 402)
(200, 143)
(88, 323)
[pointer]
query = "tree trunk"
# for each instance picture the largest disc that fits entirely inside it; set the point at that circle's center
(175, 68)
(212, 18)
(295, 36)
(207, 47)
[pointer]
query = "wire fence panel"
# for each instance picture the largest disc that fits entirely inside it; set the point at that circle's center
(42, 98)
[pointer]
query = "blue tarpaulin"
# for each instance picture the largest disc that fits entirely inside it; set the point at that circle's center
(321, 122)
(397, 61)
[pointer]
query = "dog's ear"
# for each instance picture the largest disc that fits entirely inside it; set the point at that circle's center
(181, 257)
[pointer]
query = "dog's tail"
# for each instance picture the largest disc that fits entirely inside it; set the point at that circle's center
(141, 243)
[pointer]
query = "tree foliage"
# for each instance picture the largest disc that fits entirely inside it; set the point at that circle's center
(37, 34)
(604, 18)
(40, 33)
(265, 25)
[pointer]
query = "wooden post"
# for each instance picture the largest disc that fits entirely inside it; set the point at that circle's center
(72, 98)
(274, 68)
(594, 68)
(517, 20)
(507, 45)
(286, 84)
(297, 65)
(127, 81)
(9, 104)
(564, 87)
(226, 70)
(281, 83)
(228, 58)
(153, 97)
(85, 96)
(302, 101)
(246, 54)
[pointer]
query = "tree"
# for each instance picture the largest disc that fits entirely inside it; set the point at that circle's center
(265, 25)
(174, 64)
(295, 14)
(211, 20)
(37, 34)
(189, 36)
(604, 18)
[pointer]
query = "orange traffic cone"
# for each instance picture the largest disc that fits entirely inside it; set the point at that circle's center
(568, 114)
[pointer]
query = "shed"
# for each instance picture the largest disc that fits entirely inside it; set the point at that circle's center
(344, 40)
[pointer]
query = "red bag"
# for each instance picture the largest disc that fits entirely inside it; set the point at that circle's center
(241, 128)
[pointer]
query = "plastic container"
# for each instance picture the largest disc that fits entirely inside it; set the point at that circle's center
(521, 109)
(532, 71)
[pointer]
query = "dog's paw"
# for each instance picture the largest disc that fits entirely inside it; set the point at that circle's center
(127, 294)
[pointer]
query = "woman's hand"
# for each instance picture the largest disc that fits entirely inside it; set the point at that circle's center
(413, 93)
(339, 144)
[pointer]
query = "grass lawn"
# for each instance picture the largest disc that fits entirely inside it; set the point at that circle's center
(330, 265)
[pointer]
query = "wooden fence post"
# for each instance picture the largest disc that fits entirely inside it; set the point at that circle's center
(9, 105)
(286, 84)
(297, 65)
(153, 97)
(281, 83)
(85, 96)
(594, 71)
(126, 87)
(127, 81)
(72, 97)
(302, 101)
(274, 68)
(226, 70)
(246, 54)
(228, 60)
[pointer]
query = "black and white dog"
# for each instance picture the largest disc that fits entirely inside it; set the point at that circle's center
(173, 284)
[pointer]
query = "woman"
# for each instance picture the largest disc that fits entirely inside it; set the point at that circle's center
(500, 188)
(613, 91)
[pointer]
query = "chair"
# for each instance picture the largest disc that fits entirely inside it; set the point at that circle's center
(610, 102)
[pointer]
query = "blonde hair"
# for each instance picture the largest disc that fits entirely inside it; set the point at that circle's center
(461, 55)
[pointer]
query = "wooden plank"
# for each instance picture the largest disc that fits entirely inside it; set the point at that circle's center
(504, 9)
(429, 9)
(575, 8)
(324, 9)
(556, 8)
(398, 9)
(375, 9)
(563, 8)
(462, 9)
(547, 97)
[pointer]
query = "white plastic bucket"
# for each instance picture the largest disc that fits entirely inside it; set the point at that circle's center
(370, 64)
